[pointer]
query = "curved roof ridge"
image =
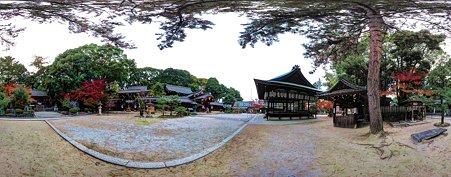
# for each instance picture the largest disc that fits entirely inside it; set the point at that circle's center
(346, 83)
(299, 79)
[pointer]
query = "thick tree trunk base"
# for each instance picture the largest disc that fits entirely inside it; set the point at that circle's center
(375, 26)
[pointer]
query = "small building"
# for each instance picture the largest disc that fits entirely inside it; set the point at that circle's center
(128, 97)
(198, 100)
(350, 108)
(216, 106)
(288, 95)
(40, 99)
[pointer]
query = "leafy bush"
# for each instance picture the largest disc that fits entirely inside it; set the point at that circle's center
(19, 111)
(228, 111)
(64, 112)
(30, 111)
(74, 110)
(66, 104)
(181, 111)
(21, 98)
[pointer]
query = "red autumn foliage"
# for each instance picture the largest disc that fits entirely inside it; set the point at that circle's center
(11, 88)
(89, 92)
(325, 105)
(408, 82)
(410, 76)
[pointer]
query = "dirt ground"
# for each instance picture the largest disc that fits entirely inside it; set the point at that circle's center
(313, 149)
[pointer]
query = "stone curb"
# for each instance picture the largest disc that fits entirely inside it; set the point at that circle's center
(32, 119)
(279, 122)
(146, 165)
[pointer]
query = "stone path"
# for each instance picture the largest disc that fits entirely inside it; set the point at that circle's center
(180, 140)
(47, 115)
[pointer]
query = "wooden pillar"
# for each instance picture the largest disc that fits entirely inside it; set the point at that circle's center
(299, 105)
(286, 102)
(308, 108)
(334, 111)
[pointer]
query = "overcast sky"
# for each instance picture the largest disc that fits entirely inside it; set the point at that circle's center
(211, 53)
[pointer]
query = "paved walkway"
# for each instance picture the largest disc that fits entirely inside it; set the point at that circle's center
(39, 116)
(47, 115)
(260, 120)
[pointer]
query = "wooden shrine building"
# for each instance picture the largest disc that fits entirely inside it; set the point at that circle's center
(289, 95)
(350, 108)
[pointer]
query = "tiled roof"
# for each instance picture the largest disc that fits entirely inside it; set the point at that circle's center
(203, 96)
(295, 76)
(37, 93)
(141, 88)
(343, 87)
(216, 104)
(179, 89)
(134, 89)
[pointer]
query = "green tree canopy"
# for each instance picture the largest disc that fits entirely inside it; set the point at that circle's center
(37, 80)
(157, 90)
(415, 49)
(439, 81)
(11, 71)
(86, 63)
(20, 99)
(215, 88)
(143, 76)
(177, 77)
(4, 101)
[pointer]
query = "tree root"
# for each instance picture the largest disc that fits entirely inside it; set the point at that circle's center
(405, 145)
(385, 153)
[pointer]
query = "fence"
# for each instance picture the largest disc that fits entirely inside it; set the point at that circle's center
(399, 113)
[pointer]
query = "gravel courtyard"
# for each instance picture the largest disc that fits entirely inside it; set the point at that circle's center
(32, 148)
(155, 140)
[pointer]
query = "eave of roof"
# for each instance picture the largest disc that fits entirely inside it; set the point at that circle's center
(132, 91)
(352, 89)
(342, 92)
(288, 84)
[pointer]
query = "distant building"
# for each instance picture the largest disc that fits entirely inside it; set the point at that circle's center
(288, 95)
(41, 99)
(128, 97)
(199, 100)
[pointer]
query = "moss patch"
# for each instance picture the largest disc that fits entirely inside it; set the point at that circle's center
(438, 124)
(145, 122)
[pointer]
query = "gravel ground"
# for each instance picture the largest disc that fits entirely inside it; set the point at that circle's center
(239, 117)
(164, 140)
(311, 149)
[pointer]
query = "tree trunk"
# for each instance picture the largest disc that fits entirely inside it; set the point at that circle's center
(443, 111)
(375, 26)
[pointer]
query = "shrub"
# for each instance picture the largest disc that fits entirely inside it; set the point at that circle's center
(30, 111)
(74, 110)
(19, 111)
(21, 98)
(228, 111)
(438, 124)
(64, 112)
(66, 104)
(181, 111)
